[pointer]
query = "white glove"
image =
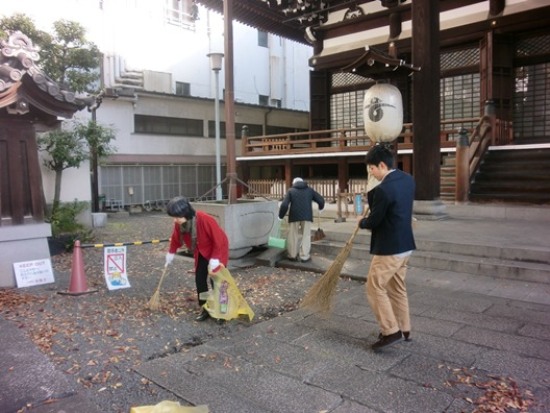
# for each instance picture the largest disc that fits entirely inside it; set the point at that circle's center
(213, 265)
(169, 258)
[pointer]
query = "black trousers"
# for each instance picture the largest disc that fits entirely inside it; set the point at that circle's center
(201, 278)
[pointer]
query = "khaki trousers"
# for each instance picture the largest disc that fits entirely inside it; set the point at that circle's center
(298, 243)
(387, 293)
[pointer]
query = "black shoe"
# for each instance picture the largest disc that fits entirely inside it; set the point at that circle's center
(308, 260)
(220, 321)
(204, 315)
(387, 340)
(292, 258)
(406, 335)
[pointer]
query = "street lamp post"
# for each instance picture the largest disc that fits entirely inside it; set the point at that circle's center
(216, 65)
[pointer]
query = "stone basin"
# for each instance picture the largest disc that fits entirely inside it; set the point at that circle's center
(247, 223)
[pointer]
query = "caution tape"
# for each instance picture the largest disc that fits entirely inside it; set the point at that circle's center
(122, 244)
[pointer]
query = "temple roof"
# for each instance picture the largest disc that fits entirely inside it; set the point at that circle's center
(25, 89)
(287, 19)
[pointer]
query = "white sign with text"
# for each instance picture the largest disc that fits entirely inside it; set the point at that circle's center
(115, 268)
(30, 273)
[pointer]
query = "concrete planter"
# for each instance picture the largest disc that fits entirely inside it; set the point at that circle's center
(99, 219)
(247, 223)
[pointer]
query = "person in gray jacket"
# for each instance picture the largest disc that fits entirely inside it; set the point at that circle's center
(298, 201)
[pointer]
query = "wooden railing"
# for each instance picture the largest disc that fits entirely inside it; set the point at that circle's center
(343, 140)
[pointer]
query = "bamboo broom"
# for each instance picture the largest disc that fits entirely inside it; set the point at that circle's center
(319, 296)
(154, 302)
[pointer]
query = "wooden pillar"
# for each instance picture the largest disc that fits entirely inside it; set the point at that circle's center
(343, 175)
(462, 186)
(497, 74)
(21, 194)
(229, 101)
(288, 173)
(426, 100)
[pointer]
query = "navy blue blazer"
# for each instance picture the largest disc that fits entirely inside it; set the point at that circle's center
(390, 217)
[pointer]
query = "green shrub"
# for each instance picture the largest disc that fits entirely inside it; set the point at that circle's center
(65, 226)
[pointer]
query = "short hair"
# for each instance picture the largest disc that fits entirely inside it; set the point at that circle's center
(179, 207)
(379, 153)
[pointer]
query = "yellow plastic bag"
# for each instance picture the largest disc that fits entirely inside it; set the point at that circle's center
(225, 301)
(167, 406)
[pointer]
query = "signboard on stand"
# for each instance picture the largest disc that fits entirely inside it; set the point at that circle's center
(31, 273)
(115, 268)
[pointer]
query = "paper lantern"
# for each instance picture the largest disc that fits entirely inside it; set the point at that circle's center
(383, 112)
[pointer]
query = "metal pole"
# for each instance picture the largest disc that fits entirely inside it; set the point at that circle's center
(219, 194)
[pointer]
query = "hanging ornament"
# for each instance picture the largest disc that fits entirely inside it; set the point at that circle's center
(383, 112)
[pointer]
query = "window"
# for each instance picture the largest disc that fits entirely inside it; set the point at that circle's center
(276, 103)
(183, 89)
(262, 38)
(253, 129)
(263, 100)
(159, 125)
(182, 13)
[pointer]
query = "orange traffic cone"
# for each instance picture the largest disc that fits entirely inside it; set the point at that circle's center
(78, 285)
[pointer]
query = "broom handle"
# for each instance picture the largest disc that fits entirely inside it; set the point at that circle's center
(162, 276)
(356, 230)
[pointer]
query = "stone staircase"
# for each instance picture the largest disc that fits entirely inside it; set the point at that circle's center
(523, 263)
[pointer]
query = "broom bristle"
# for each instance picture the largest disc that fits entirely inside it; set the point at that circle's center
(319, 235)
(319, 297)
(154, 302)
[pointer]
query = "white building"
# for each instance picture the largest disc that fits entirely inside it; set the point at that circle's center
(160, 92)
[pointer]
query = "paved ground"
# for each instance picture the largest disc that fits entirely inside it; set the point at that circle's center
(480, 343)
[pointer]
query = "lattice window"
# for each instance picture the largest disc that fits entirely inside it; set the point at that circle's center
(533, 46)
(346, 110)
(460, 99)
(459, 58)
(532, 102)
(348, 79)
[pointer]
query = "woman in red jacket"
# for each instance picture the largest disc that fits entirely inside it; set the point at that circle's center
(203, 237)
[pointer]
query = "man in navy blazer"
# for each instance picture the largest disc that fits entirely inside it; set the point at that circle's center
(392, 242)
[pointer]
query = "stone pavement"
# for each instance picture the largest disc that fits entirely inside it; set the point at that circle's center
(473, 336)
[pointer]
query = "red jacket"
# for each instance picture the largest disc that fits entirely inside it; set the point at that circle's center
(211, 239)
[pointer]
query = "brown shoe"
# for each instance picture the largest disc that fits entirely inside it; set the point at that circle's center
(387, 340)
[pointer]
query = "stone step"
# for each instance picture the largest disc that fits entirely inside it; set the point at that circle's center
(527, 254)
(444, 257)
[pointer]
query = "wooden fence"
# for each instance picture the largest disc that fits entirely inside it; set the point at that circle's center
(328, 188)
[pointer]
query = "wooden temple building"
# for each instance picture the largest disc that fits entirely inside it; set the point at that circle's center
(472, 73)
(30, 102)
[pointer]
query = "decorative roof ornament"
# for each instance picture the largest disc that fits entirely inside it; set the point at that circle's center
(18, 67)
(376, 64)
(17, 56)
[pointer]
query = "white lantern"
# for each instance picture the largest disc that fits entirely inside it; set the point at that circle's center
(383, 112)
